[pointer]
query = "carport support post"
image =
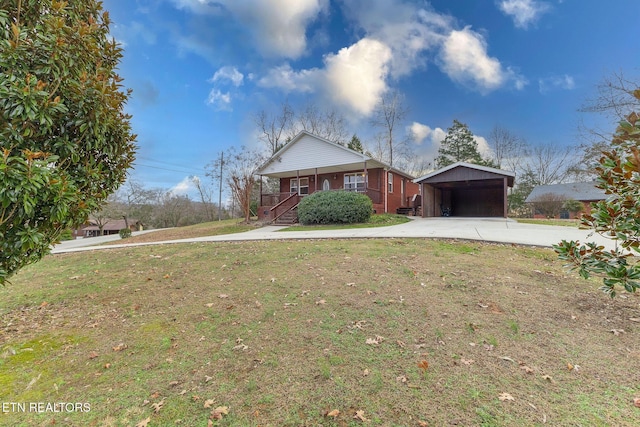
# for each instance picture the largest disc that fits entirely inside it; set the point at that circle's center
(505, 203)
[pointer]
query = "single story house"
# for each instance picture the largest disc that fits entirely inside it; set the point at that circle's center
(466, 190)
(585, 192)
(309, 163)
(110, 226)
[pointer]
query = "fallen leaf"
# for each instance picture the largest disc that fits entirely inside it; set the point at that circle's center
(209, 304)
(636, 402)
(157, 406)
(107, 365)
(505, 396)
(333, 413)
(401, 344)
(365, 372)
(120, 347)
(208, 403)
(144, 422)
(424, 365)
(526, 369)
(173, 383)
(321, 302)
(93, 355)
(548, 378)
(223, 296)
(422, 424)
(166, 276)
(217, 413)
(635, 319)
(402, 379)
(617, 332)
(360, 416)
(466, 361)
(508, 359)
(375, 341)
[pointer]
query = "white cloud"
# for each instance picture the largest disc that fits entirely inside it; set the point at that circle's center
(182, 188)
(289, 80)
(465, 59)
(523, 12)
(353, 78)
(278, 26)
(356, 74)
(426, 139)
(483, 146)
(219, 100)
(228, 73)
(416, 35)
(564, 82)
(409, 31)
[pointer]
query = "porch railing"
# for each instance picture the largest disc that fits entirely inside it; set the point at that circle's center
(284, 206)
(274, 199)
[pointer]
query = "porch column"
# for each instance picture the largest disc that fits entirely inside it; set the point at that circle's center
(297, 182)
(316, 182)
(505, 204)
(366, 177)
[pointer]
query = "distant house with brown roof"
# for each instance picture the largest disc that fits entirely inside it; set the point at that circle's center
(111, 226)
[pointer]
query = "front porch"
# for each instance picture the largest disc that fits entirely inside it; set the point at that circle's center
(276, 207)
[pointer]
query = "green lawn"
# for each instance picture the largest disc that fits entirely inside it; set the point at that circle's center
(398, 332)
(378, 220)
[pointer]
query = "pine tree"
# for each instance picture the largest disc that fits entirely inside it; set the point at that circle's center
(458, 146)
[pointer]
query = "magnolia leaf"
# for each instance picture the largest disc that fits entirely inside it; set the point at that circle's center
(144, 422)
(219, 412)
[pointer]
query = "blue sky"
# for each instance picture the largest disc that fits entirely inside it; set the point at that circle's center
(201, 69)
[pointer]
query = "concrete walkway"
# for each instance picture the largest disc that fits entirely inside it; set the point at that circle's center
(483, 229)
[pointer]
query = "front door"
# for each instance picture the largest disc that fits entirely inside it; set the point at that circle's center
(326, 185)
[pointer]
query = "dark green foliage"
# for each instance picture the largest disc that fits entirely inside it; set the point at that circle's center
(458, 146)
(124, 233)
(617, 217)
(335, 207)
(573, 206)
(66, 143)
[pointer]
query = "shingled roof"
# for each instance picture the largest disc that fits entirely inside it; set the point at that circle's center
(583, 191)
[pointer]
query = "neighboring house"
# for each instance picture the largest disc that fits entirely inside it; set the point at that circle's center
(309, 163)
(467, 190)
(112, 226)
(585, 192)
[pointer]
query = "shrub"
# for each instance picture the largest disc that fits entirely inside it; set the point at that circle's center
(335, 207)
(124, 233)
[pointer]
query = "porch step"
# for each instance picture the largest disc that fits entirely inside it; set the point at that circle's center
(288, 218)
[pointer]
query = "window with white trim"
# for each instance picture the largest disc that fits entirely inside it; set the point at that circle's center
(390, 182)
(355, 182)
(302, 189)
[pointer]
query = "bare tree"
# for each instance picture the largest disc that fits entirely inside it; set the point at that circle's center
(549, 204)
(206, 197)
(508, 148)
(275, 129)
(240, 172)
(388, 117)
(614, 100)
(327, 124)
(549, 164)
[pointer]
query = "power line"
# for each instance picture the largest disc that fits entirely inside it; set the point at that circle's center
(190, 172)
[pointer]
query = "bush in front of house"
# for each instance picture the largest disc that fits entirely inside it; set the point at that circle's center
(125, 233)
(335, 207)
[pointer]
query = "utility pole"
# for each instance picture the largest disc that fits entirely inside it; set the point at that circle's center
(220, 192)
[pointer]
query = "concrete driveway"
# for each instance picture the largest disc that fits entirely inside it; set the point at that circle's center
(483, 229)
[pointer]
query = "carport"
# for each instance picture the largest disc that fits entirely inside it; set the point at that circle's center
(465, 190)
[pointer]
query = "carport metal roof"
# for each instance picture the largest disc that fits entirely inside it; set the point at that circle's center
(465, 172)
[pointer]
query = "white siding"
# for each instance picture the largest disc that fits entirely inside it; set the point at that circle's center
(309, 153)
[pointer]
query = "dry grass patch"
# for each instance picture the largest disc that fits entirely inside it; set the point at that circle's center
(332, 332)
(229, 226)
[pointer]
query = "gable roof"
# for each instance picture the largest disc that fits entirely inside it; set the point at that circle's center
(307, 154)
(583, 191)
(485, 172)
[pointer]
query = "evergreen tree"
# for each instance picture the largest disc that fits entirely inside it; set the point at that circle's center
(458, 146)
(355, 144)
